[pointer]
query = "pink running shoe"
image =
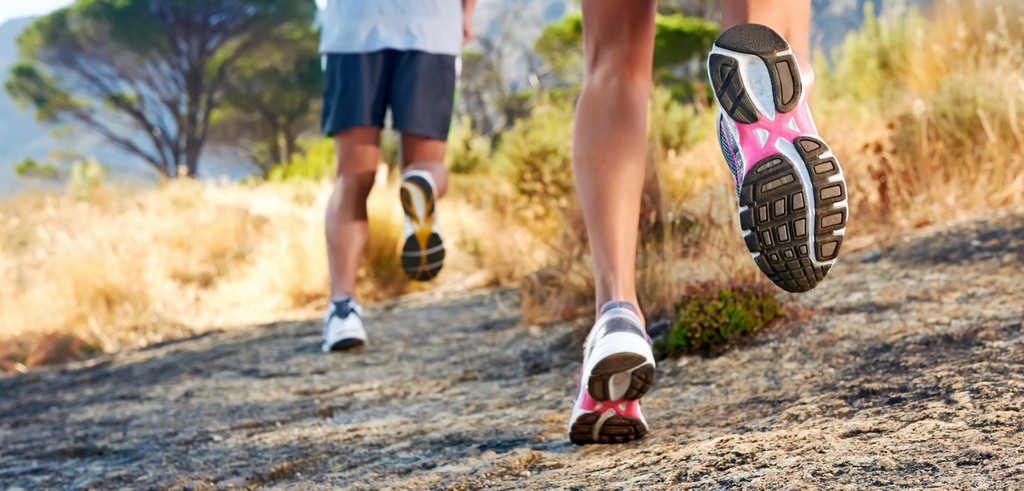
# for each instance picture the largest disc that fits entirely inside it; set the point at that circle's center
(792, 194)
(618, 369)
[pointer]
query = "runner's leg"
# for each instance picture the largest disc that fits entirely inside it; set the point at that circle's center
(610, 140)
(347, 228)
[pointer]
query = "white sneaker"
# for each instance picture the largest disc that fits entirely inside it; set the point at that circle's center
(343, 326)
(423, 251)
(618, 369)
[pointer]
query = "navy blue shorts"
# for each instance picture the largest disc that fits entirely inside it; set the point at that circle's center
(419, 87)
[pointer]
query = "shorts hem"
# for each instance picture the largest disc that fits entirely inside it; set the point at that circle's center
(334, 130)
(433, 135)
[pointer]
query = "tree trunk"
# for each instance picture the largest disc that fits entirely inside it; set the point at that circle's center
(272, 137)
(192, 150)
(289, 144)
(274, 149)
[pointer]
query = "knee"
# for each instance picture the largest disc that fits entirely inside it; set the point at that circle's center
(355, 183)
(348, 201)
(618, 68)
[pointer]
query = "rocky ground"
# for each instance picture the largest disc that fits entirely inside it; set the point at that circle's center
(903, 372)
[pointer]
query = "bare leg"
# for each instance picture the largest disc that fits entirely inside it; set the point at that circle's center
(422, 153)
(347, 228)
(609, 141)
(791, 18)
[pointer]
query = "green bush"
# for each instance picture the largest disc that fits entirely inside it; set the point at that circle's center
(710, 314)
(315, 162)
(873, 60)
(467, 152)
(537, 154)
(315, 159)
(672, 125)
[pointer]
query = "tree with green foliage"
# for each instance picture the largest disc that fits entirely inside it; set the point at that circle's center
(145, 74)
(678, 39)
(272, 96)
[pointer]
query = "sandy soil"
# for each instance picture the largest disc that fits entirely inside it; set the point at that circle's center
(904, 374)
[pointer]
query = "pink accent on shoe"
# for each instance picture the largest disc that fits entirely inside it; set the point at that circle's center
(754, 152)
(631, 408)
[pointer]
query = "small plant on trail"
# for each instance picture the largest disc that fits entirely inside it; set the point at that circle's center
(710, 314)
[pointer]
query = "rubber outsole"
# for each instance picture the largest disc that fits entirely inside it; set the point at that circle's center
(776, 217)
(752, 39)
(616, 429)
(641, 378)
(728, 86)
(347, 344)
(421, 260)
(423, 263)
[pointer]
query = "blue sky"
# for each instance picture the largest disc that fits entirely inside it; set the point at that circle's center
(10, 9)
(13, 9)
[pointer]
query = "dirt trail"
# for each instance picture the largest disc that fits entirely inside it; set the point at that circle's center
(908, 376)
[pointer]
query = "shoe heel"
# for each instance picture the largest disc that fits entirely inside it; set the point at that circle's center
(597, 427)
(741, 60)
(622, 375)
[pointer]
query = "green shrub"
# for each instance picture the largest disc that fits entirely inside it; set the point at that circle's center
(537, 154)
(873, 60)
(710, 314)
(390, 149)
(315, 159)
(467, 152)
(678, 39)
(315, 162)
(672, 125)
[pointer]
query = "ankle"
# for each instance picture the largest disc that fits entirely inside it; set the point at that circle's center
(632, 306)
(438, 174)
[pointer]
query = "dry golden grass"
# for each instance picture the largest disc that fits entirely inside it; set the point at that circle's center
(127, 268)
(925, 114)
(701, 240)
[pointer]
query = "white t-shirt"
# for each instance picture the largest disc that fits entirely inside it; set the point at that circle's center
(363, 26)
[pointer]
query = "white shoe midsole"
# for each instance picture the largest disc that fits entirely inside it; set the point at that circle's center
(615, 343)
(346, 332)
